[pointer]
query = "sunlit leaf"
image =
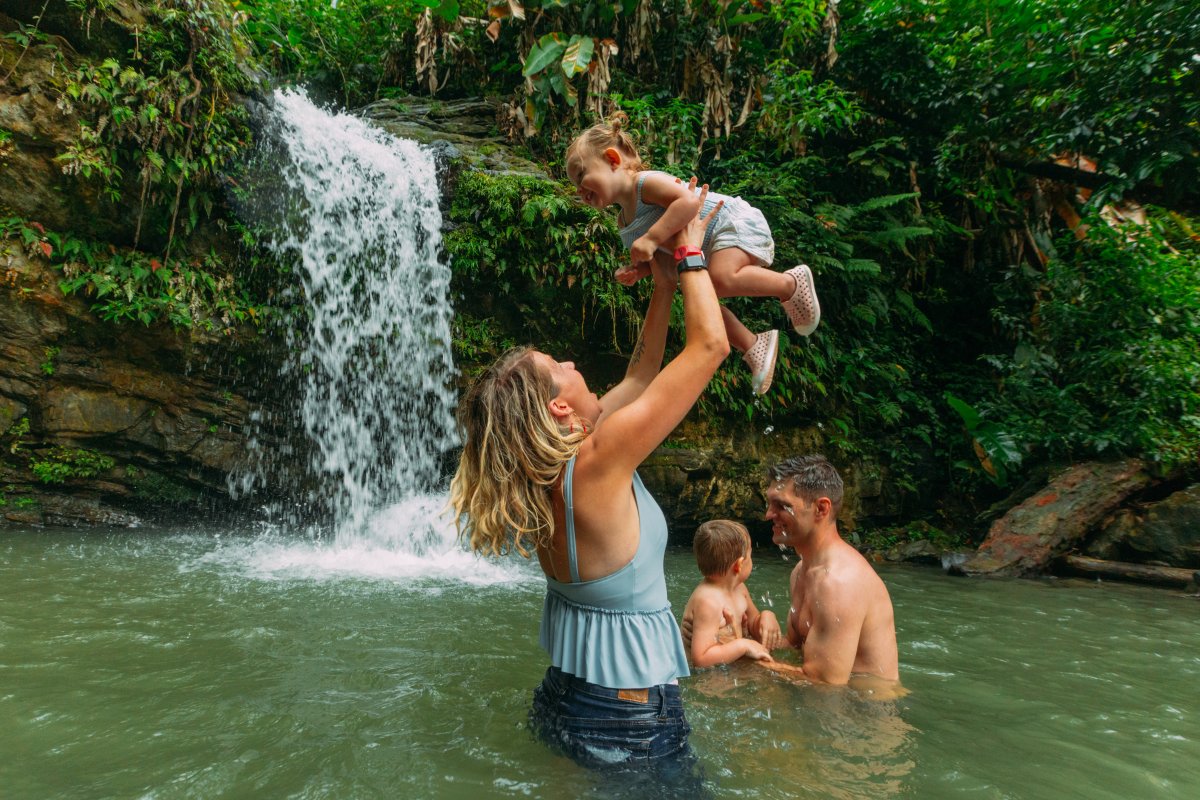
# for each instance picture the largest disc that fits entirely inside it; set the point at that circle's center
(545, 52)
(578, 55)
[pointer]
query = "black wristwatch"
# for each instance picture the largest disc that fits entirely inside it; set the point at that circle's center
(688, 258)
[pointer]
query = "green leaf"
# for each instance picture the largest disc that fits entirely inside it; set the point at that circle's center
(578, 55)
(969, 415)
(885, 201)
(547, 50)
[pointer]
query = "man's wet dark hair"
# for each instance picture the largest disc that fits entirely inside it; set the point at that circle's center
(812, 477)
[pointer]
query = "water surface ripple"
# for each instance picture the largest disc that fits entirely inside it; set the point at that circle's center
(173, 664)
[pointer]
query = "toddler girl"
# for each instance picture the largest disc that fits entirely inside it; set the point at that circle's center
(604, 165)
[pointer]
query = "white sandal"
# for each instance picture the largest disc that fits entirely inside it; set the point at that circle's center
(761, 360)
(803, 310)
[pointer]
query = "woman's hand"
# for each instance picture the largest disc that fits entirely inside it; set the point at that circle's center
(693, 232)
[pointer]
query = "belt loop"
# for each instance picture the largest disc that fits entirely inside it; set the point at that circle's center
(662, 701)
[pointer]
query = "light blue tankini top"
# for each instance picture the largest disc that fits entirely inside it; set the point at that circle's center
(616, 631)
(647, 214)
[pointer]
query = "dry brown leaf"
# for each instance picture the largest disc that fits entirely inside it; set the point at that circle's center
(426, 49)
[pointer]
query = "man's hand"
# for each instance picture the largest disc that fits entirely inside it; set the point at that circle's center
(769, 632)
(686, 628)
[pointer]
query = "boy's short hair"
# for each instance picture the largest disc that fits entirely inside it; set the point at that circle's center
(812, 477)
(717, 544)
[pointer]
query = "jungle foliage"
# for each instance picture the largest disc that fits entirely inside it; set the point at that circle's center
(960, 176)
(157, 125)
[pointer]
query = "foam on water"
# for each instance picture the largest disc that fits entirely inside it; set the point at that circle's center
(412, 542)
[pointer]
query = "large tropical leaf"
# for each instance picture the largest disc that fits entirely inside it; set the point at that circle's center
(578, 55)
(548, 50)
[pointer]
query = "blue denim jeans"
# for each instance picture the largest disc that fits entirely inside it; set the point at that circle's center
(618, 731)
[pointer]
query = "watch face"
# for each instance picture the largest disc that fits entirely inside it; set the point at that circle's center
(690, 262)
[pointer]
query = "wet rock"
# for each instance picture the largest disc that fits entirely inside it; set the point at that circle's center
(167, 408)
(1170, 531)
(919, 551)
(953, 560)
(1108, 544)
(462, 129)
(1053, 521)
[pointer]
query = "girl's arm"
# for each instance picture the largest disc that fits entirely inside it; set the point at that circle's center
(631, 433)
(681, 206)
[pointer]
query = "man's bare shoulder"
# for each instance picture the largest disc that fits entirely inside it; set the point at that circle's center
(843, 580)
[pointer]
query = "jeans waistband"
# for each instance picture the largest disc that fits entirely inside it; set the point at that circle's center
(664, 692)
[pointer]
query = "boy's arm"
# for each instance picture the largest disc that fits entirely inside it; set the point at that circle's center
(681, 205)
(763, 626)
(707, 618)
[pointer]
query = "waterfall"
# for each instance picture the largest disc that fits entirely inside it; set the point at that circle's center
(360, 222)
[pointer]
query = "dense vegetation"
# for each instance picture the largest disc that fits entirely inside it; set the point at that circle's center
(997, 198)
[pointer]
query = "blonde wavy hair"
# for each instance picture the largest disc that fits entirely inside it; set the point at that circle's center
(610, 133)
(513, 456)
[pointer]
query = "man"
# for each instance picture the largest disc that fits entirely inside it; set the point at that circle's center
(841, 614)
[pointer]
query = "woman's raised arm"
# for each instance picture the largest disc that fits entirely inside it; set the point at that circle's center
(631, 432)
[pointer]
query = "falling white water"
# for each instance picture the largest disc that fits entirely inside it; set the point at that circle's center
(363, 227)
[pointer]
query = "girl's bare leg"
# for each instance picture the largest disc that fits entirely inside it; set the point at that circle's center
(735, 274)
(740, 337)
(759, 351)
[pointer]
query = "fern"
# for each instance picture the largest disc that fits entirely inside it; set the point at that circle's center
(864, 266)
(904, 302)
(885, 201)
(820, 261)
(864, 313)
(897, 236)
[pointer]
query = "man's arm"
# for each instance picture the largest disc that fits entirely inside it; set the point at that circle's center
(794, 637)
(837, 614)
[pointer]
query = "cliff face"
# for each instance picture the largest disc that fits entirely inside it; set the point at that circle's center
(100, 423)
(33, 183)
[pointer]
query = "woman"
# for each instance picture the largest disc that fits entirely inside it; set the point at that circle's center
(549, 465)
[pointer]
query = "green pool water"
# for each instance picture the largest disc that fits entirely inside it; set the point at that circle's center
(221, 664)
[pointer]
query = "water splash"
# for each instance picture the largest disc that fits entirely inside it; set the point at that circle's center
(411, 544)
(361, 224)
